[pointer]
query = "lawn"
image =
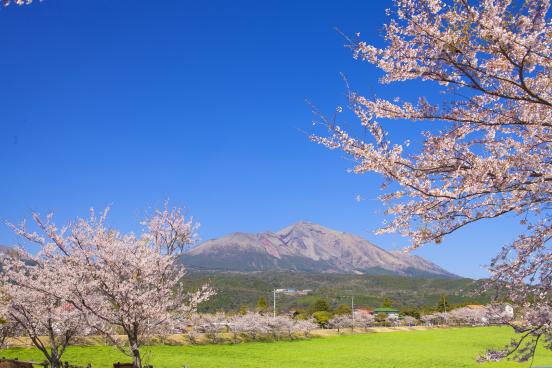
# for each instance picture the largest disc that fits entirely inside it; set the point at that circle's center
(411, 349)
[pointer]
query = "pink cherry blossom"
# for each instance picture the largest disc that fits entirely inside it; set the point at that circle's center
(47, 319)
(120, 282)
(488, 145)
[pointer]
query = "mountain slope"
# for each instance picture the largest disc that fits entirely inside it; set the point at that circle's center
(234, 289)
(305, 247)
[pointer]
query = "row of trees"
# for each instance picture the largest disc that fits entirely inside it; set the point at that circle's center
(248, 326)
(340, 317)
(88, 278)
(343, 321)
(220, 327)
(493, 314)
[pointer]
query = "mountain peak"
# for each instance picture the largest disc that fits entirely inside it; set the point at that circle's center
(307, 247)
(303, 226)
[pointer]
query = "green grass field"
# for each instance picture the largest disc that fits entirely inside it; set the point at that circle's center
(438, 348)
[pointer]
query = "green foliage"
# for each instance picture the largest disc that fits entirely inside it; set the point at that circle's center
(322, 318)
(243, 309)
(412, 312)
(343, 309)
(236, 289)
(439, 348)
(381, 317)
(320, 305)
(262, 306)
(443, 304)
(387, 303)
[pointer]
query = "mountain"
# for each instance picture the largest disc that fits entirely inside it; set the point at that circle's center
(306, 247)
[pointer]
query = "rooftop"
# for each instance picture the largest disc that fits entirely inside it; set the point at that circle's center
(386, 310)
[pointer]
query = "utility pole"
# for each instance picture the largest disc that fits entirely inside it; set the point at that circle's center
(352, 306)
(353, 312)
(445, 306)
(274, 302)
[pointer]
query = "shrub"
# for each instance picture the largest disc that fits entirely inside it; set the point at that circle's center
(322, 318)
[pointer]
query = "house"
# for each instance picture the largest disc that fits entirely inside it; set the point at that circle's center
(390, 312)
(293, 292)
(361, 311)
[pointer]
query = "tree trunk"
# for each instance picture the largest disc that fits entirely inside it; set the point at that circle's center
(136, 358)
(54, 359)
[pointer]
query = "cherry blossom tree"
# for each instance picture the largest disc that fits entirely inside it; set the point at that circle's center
(7, 329)
(122, 282)
(409, 321)
(213, 325)
(392, 319)
(254, 325)
(429, 319)
(471, 316)
(487, 149)
(50, 322)
(280, 325)
(364, 320)
(287, 325)
(191, 327)
(341, 321)
(306, 326)
(236, 327)
(437, 318)
(249, 326)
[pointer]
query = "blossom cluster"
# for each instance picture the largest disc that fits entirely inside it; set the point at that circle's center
(88, 277)
(488, 145)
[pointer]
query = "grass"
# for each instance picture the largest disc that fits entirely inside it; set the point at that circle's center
(451, 348)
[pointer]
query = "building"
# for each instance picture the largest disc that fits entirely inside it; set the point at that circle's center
(293, 291)
(390, 312)
(361, 311)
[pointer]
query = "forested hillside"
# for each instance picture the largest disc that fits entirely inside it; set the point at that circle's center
(237, 289)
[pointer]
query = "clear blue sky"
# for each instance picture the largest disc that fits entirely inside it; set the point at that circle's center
(127, 103)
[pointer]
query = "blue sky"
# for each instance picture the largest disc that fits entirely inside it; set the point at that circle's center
(128, 103)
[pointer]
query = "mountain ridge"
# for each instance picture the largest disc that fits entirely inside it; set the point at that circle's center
(306, 247)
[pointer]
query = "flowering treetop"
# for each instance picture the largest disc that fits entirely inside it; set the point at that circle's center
(488, 148)
(48, 320)
(126, 281)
